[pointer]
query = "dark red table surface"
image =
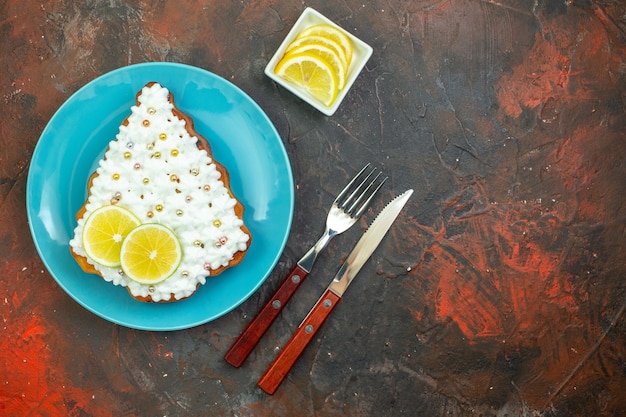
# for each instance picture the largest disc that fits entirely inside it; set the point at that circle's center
(499, 292)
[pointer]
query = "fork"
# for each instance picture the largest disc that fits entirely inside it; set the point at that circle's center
(349, 205)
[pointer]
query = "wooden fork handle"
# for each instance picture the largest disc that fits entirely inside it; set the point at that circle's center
(281, 366)
(246, 342)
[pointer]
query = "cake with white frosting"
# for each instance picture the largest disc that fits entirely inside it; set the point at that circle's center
(163, 171)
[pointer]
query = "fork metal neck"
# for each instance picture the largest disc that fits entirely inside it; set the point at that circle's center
(307, 261)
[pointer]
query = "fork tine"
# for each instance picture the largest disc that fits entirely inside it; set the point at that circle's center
(369, 199)
(343, 192)
(359, 190)
(362, 190)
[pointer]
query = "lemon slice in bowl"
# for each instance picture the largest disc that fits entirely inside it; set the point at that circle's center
(312, 73)
(330, 32)
(323, 41)
(104, 231)
(150, 253)
(328, 55)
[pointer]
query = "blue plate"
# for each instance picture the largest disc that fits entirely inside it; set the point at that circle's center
(242, 138)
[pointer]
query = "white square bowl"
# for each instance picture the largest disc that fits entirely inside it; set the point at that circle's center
(360, 54)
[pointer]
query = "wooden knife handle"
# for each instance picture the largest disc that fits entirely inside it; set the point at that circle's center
(246, 342)
(277, 371)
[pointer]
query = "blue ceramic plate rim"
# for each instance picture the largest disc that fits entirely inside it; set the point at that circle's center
(242, 138)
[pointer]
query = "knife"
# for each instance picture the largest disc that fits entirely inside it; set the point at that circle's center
(364, 248)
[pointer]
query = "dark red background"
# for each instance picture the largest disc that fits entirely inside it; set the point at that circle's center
(501, 290)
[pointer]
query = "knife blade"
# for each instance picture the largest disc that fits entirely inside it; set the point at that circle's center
(280, 367)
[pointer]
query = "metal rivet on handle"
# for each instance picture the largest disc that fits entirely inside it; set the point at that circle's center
(276, 304)
(295, 279)
(308, 328)
(327, 303)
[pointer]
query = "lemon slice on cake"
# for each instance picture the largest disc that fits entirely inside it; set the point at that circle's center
(150, 253)
(104, 231)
